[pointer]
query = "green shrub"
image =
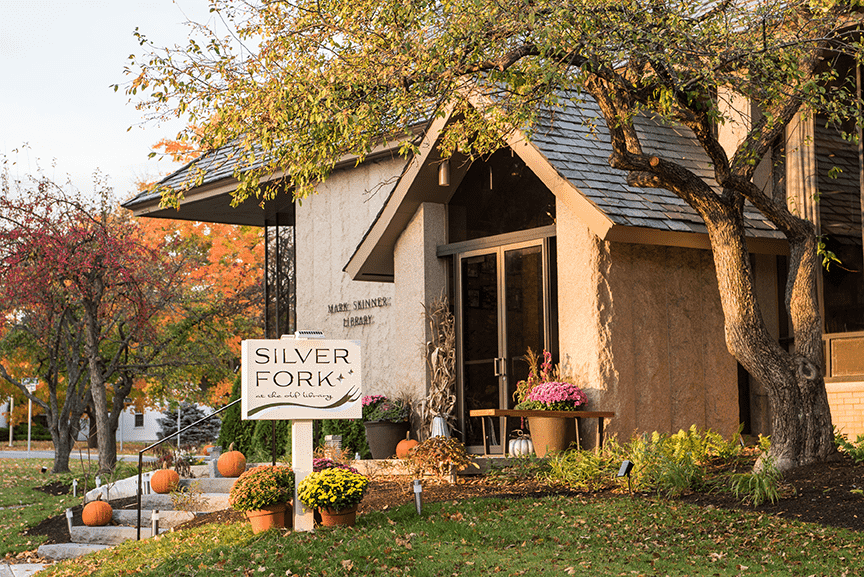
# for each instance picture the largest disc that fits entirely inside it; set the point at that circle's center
(669, 464)
(586, 470)
(854, 450)
(757, 486)
(353, 436)
(262, 441)
(234, 429)
(38, 432)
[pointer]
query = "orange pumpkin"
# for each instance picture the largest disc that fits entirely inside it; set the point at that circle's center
(232, 463)
(97, 513)
(403, 448)
(164, 480)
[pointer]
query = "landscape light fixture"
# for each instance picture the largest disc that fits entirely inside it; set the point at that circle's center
(154, 523)
(418, 499)
(624, 471)
(444, 173)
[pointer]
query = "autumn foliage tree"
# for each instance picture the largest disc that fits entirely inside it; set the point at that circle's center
(97, 304)
(300, 84)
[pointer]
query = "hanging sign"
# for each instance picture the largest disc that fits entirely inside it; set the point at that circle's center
(293, 379)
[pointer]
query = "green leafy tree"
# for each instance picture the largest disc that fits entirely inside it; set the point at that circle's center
(301, 84)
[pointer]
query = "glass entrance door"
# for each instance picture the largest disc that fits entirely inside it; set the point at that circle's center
(503, 305)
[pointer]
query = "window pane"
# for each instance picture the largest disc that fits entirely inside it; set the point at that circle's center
(840, 221)
(497, 196)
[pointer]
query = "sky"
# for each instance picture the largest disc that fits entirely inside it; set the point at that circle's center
(58, 61)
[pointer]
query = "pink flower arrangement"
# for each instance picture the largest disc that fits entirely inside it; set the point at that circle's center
(553, 392)
(319, 464)
(372, 400)
(554, 396)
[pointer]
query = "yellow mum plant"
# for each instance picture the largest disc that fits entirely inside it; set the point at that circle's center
(332, 489)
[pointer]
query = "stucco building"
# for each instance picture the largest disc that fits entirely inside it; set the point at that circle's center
(543, 245)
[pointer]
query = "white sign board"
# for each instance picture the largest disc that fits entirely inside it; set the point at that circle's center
(299, 379)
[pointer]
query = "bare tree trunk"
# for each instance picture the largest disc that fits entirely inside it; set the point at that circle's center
(92, 439)
(63, 439)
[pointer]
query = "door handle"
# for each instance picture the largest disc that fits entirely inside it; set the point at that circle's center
(500, 366)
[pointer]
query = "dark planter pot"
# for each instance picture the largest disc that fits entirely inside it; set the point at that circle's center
(383, 436)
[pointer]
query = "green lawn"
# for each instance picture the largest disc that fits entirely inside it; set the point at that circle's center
(549, 536)
(599, 535)
(21, 506)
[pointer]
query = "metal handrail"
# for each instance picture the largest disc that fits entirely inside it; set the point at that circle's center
(159, 442)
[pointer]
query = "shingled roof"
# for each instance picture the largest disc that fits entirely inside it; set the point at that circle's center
(572, 139)
(214, 166)
(575, 140)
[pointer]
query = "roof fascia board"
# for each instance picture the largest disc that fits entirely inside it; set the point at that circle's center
(397, 210)
(588, 212)
(641, 235)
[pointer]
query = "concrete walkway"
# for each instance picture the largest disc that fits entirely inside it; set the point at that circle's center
(20, 569)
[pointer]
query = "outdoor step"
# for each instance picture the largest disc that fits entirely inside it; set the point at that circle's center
(61, 551)
(208, 502)
(167, 519)
(107, 535)
(208, 485)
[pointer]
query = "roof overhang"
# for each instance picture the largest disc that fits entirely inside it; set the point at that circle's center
(212, 203)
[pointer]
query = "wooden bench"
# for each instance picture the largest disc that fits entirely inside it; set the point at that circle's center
(599, 415)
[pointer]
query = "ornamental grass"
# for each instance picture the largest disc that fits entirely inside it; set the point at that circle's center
(262, 487)
(333, 488)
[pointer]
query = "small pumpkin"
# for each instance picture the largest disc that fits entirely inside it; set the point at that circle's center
(164, 480)
(97, 513)
(403, 448)
(232, 463)
(521, 446)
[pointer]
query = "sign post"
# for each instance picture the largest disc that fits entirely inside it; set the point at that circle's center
(301, 379)
(31, 386)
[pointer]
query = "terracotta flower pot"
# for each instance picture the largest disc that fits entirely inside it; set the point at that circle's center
(551, 434)
(267, 518)
(334, 517)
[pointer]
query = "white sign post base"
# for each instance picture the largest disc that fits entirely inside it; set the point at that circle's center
(301, 462)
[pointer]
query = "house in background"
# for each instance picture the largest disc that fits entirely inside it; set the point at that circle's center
(133, 425)
(543, 245)
(137, 426)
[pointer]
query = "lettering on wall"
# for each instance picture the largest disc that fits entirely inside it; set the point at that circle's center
(352, 308)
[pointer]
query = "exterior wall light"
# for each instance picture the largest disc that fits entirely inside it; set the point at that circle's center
(444, 173)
